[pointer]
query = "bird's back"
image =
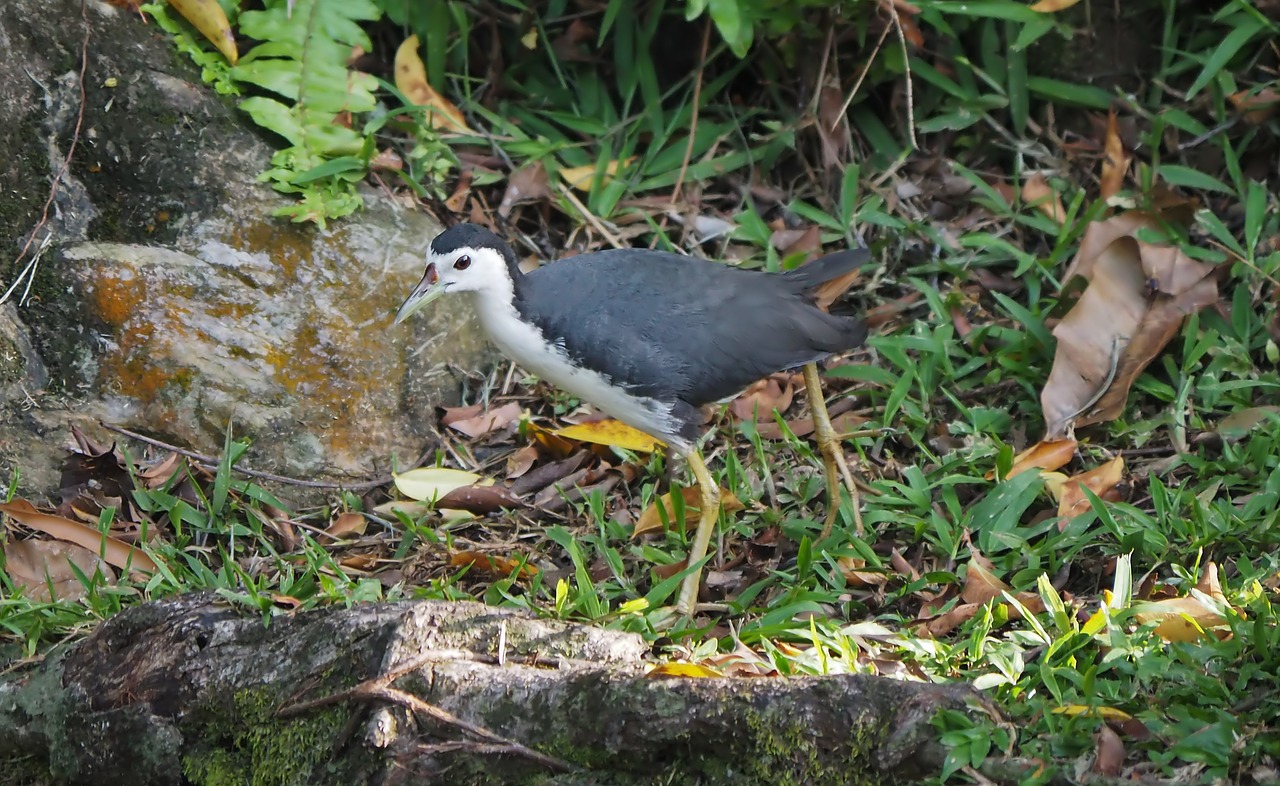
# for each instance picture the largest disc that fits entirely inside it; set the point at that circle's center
(682, 328)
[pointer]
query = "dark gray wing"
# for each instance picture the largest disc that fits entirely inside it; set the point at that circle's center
(680, 328)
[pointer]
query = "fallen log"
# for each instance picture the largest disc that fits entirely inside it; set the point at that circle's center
(188, 690)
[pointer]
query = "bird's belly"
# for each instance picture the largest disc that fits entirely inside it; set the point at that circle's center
(525, 344)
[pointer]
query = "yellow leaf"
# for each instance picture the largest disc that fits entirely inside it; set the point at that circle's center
(411, 80)
(208, 17)
(431, 483)
(530, 39)
(115, 552)
(651, 518)
(1050, 6)
(682, 670)
(580, 177)
(1080, 710)
(611, 432)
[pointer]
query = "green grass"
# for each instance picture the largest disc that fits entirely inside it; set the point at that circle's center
(944, 412)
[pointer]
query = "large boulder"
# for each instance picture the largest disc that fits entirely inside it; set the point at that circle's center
(165, 297)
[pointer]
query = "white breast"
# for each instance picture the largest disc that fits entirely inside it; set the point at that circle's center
(524, 343)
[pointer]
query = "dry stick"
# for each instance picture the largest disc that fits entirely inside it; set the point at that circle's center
(693, 121)
(862, 76)
(592, 218)
(211, 463)
(66, 161)
(906, 63)
(380, 688)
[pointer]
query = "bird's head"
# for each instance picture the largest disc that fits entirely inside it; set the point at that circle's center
(463, 258)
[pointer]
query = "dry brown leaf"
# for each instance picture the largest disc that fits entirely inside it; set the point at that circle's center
(411, 80)
(521, 461)
(949, 621)
(651, 518)
(527, 184)
(855, 574)
(500, 567)
(115, 552)
(347, 523)
(1047, 455)
(43, 568)
(1188, 618)
(759, 400)
(1138, 296)
(980, 584)
(1070, 491)
(486, 422)
(1115, 160)
(802, 427)
(1037, 193)
(1108, 752)
(1257, 108)
(833, 129)
(461, 192)
(481, 500)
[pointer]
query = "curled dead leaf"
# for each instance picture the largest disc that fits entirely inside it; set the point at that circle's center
(1070, 491)
(1115, 160)
(346, 524)
(1037, 193)
(1047, 454)
(980, 584)
(663, 507)
(209, 18)
(494, 565)
(117, 553)
(411, 80)
(527, 184)
(1138, 296)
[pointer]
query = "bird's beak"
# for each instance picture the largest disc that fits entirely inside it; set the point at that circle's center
(428, 289)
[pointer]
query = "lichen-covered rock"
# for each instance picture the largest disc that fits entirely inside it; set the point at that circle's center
(167, 298)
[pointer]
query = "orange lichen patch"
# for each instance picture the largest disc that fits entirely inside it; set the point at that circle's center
(288, 245)
(117, 298)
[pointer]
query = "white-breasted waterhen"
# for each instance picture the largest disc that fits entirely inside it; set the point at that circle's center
(649, 337)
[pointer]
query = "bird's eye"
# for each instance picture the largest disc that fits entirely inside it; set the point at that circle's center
(462, 263)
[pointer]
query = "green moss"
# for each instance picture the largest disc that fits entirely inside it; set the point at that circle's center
(245, 742)
(787, 755)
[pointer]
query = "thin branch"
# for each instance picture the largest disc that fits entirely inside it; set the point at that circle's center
(211, 462)
(693, 121)
(66, 161)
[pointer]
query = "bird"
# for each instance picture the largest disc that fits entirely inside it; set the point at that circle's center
(650, 337)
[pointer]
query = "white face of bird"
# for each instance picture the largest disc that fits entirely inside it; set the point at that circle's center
(466, 269)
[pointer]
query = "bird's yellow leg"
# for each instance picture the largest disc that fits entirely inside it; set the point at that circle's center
(709, 513)
(832, 454)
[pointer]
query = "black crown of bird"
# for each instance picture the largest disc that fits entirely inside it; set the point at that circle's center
(649, 337)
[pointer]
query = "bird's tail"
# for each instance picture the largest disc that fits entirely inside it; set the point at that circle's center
(829, 277)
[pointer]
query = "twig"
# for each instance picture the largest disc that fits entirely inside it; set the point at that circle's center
(211, 462)
(66, 161)
(693, 121)
(906, 63)
(380, 688)
(592, 218)
(858, 84)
